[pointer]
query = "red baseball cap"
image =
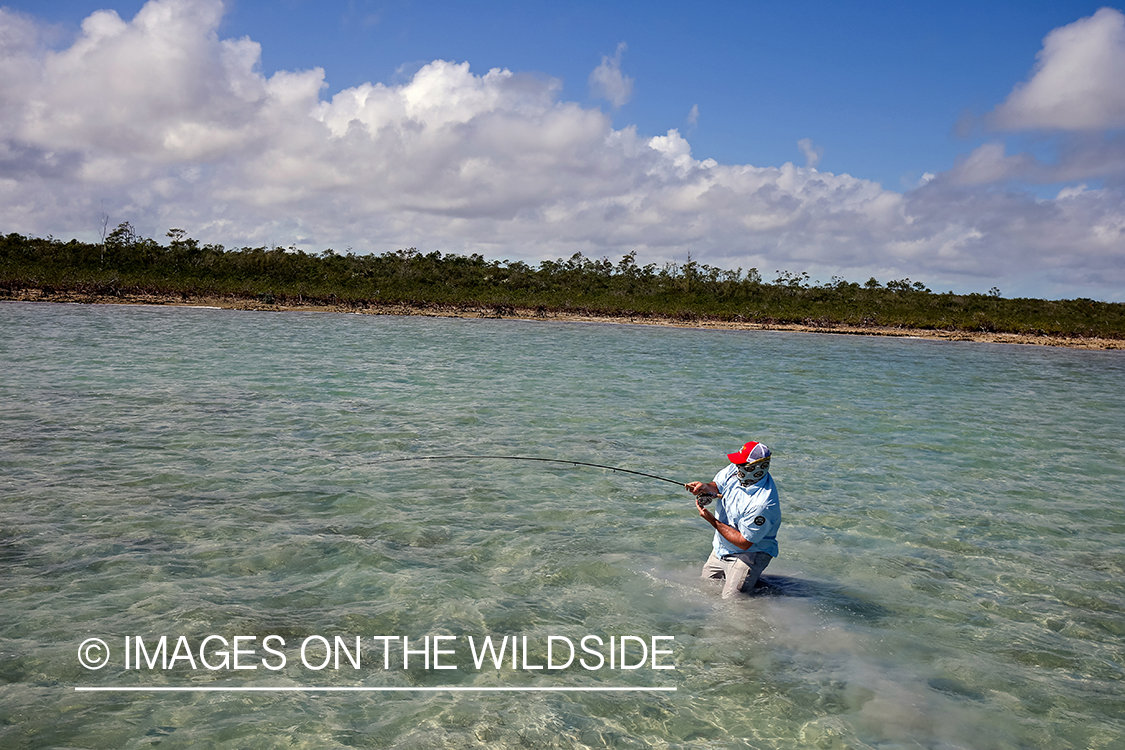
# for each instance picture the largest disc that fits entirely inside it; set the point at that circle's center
(750, 452)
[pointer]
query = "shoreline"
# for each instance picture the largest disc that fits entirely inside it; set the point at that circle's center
(516, 313)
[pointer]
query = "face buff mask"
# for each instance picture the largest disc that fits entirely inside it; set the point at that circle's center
(753, 472)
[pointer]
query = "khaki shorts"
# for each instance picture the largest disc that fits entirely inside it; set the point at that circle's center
(739, 572)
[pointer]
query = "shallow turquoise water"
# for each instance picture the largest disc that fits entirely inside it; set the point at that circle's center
(951, 559)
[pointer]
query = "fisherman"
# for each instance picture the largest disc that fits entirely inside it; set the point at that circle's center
(747, 516)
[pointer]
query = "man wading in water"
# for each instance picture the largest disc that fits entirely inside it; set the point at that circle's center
(748, 514)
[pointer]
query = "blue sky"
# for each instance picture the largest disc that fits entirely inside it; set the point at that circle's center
(868, 102)
(880, 86)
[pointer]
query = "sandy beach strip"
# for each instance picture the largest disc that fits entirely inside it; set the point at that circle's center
(517, 313)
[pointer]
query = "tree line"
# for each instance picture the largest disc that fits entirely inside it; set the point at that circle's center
(126, 263)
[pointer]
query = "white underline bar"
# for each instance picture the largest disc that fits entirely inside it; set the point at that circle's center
(165, 689)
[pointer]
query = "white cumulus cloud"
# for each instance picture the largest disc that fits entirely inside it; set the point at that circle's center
(693, 115)
(1078, 83)
(1074, 100)
(609, 83)
(812, 153)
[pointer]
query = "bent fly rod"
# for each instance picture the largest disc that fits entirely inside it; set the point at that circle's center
(704, 499)
(532, 458)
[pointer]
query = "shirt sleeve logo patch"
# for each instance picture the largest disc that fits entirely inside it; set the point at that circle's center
(760, 521)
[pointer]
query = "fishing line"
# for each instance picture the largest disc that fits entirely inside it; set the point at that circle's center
(532, 458)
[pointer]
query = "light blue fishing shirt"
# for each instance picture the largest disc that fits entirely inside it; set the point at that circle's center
(755, 511)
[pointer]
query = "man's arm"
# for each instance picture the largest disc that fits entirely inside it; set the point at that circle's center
(731, 534)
